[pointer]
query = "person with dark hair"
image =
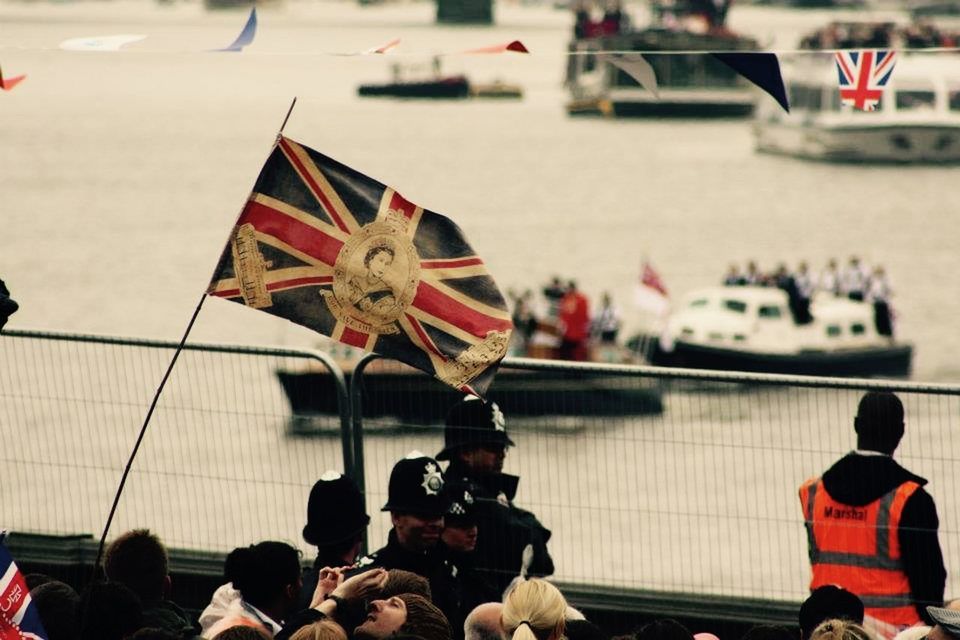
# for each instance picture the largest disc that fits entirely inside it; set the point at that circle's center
(336, 521)
(584, 630)
(407, 614)
(263, 585)
(826, 603)
(110, 611)
(400, 581)
(57, 606)
(475, 443)
(871, 526)
(240, 632)
(138, 559)
(768, 632)
(663, 629)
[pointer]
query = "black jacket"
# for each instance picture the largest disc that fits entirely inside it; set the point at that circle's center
(503, 529)
(858, 480)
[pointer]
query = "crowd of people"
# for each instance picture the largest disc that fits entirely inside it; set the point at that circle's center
(560, 325)
(854, 282)
(464, 562)
(880, 35)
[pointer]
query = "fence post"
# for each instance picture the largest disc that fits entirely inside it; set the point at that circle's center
(356, 411)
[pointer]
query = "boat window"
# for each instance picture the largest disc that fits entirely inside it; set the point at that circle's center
(693, 70)
(738, 306)
(806, 97)
(858, 329)
(953, 98)
(769, 311)
(699, 303)
(833, 330)
(915, 100)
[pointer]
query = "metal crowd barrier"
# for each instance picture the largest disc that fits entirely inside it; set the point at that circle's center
(666, 489)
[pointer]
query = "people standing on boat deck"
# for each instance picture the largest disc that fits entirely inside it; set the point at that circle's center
(606, 324)
(753, 276)
(475, 443)
(554, 292)
(417, 504)
(853, 280)
(803, 284)
(734, 278)
(524, 320)
(336, 521)
(830, 279)
(871, 526)
(574, 324)
(879, 294)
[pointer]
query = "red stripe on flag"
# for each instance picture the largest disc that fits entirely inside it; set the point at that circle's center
(441, 264)
(227, 293)
(354, 338)
(314, 187)
(299, 282)
(423, 335)
(298, 235)
(436, 303)
(401, 204)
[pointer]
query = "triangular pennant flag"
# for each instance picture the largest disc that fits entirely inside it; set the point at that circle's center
(9, 83)
(383, 48)
(246, 35)
(326, 247)
(762, 69)
(863, 75)
(100, 43)
(515, 45)
(637, 68)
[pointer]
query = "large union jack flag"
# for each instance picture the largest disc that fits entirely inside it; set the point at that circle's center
(18, 617)
(863, 75)
(329, 248)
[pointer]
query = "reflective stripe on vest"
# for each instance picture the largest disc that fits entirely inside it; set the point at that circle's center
(864, 562)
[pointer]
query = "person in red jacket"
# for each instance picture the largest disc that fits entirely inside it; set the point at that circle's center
(575, 324)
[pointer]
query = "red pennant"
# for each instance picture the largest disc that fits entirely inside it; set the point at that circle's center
(515, 45)
(9, 83)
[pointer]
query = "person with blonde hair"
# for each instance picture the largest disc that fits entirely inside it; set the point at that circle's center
(320, 630)
(534, 610)
(836, 629)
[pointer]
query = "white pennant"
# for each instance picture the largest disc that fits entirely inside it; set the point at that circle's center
(638, 69)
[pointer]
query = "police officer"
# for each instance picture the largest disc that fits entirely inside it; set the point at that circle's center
(871, 526)
(475, 443)
(417, 504)
(459, 537)
(336, 520)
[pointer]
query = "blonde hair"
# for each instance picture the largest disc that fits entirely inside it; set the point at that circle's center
(836, 629)
(534, 610)
(320, 630)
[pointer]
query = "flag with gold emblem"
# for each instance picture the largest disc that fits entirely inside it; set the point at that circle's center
(327, 247)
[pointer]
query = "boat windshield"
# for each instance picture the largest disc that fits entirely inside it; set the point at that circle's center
(738, 306)
(915, 99)
(806, 97)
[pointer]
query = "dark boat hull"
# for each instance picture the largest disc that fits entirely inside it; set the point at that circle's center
(883, 362)
(419, 400)
(450, 88)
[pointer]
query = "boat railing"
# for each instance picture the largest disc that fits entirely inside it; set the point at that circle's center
(681, 505)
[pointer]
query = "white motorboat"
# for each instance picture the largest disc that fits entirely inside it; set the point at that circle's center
(751, 328)
(917, 120)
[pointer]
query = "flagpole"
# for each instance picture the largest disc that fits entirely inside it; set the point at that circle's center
(289, 111)
(143, 431)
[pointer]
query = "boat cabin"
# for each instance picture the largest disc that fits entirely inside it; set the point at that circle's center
(758, 319)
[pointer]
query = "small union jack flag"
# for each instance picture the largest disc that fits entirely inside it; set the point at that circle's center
(863, 75)
(18, 617)
(323, 245)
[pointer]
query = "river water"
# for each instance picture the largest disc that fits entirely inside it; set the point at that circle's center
(122, 173)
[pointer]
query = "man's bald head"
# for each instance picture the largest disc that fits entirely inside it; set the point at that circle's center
(483, 623)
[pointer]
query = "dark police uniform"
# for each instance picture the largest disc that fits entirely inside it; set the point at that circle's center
(504, 530)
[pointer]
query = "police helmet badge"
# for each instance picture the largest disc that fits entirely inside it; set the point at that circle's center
(499, 422)
(432, 479)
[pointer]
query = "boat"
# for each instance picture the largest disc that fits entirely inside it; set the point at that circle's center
(690, 85)
(917, 120)
(432, 84)
(398, 397)
(751, 328)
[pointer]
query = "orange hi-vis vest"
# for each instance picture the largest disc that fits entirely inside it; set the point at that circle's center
(858, 548)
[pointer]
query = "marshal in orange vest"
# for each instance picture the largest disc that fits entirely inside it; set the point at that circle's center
(858, 548)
